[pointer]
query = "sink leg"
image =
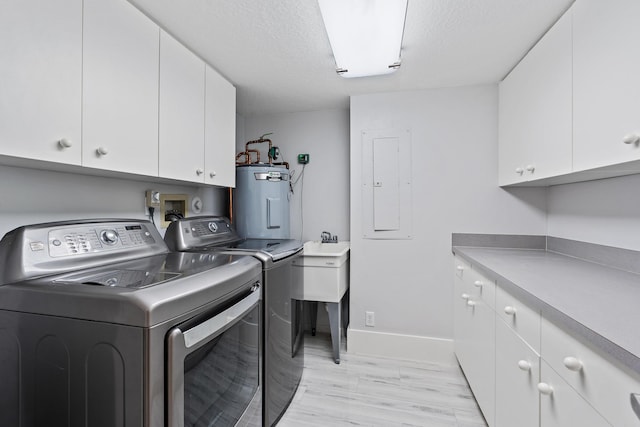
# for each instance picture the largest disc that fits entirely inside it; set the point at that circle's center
(334, 322)
(314, 316)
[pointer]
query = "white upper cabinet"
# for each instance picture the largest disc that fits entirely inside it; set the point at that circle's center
(182, 99)
(535, 110)
(219, 130)
(40, 79)
(120, 88)
(606, 82)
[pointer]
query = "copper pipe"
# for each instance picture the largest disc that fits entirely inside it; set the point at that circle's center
(246, 158)
(231, 205)
(260, 141)
(257, 156)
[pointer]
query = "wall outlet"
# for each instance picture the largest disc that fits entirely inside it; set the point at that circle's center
(153, 198)
(369, 318)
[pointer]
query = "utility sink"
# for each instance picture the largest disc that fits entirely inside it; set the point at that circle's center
(325, 254)
(326, 271)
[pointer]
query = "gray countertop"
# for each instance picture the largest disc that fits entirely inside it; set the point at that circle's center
(600, 305)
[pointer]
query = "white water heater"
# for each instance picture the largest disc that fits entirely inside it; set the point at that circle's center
(261, 202)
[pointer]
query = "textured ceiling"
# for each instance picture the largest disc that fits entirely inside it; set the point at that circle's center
(277, 54)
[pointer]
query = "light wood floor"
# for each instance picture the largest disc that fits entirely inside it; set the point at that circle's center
(371, 391)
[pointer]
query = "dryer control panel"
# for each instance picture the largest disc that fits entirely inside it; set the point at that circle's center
(105, 237)
(43, 249)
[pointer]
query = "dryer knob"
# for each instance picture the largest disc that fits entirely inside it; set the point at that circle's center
(109, 237)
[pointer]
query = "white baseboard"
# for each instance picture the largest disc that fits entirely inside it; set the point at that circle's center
(406, 347)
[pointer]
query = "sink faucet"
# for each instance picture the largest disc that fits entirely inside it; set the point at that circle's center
(328, 238)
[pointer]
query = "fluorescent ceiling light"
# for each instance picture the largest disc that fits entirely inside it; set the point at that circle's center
(365, 35)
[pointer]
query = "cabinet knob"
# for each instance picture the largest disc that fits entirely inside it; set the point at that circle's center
(510, 310)
(631, 138)
(524, 365)
(545, 388)
(572, 363)
(465, 296)
(64, 143)
(531, 168)
(460, 268)
(101, 151)
(478, 283)
(471, 303)
(199, 172)
(212, 174)
(519, 171)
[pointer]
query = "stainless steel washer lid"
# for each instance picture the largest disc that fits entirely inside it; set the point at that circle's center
(211, 233)
(160, 288)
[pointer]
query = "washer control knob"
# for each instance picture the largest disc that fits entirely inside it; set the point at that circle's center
(110, 237)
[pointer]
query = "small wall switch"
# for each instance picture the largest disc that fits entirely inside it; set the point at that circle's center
(369, 318)
(303, 159)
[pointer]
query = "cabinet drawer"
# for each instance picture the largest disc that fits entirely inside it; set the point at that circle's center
(522, 319)
(482, 287)
(561, 406)
(602, 383)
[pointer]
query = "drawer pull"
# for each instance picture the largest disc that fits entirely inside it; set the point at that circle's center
(465, 296)
(471, 303)
(572, 363)
(635, 404)
(524, 365)
(545, 388)
(478, 283)
(632, 138)
(460, 268)
(510, 310)
(519, 171)
(64, 143)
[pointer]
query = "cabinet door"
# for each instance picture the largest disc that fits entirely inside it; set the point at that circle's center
(182, 78)
(219, 130)
(535, 110)
(120, 88)
(474, 329)
(41, 79)
(461, 318)
(563, 406)
(517, 377)
(606, 84)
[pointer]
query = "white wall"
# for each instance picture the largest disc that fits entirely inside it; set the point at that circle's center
(408, 283)
(29, 196)
(606, 212)
(321, 198)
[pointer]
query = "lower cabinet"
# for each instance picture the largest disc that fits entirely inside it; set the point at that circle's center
(553, 381)
(517, 377)
(475, 335)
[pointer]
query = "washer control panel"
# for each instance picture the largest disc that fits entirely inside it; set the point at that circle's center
(97, 238)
